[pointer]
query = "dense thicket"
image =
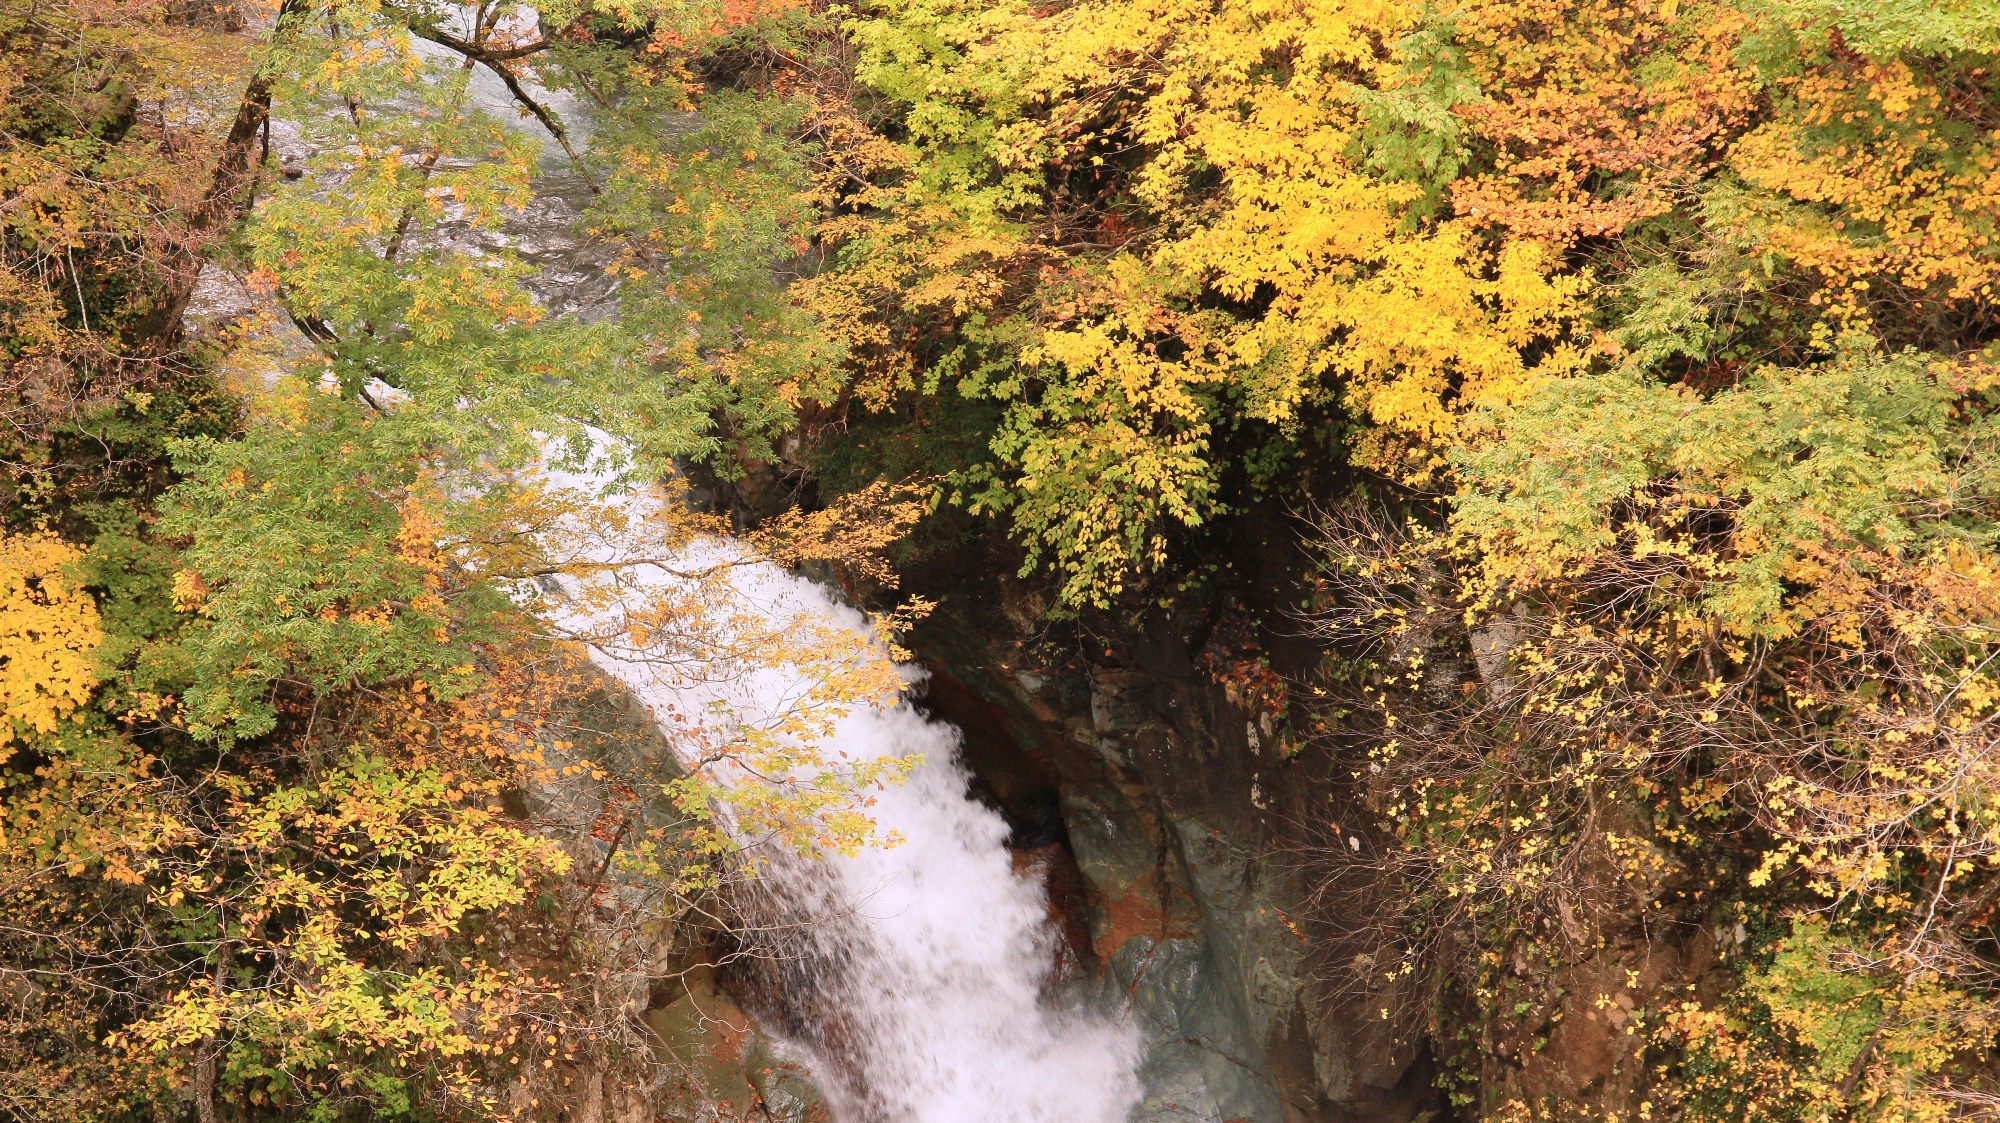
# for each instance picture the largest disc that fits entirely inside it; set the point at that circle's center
(1639, 356)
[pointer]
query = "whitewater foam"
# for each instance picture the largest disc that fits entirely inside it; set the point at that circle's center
(935, 953)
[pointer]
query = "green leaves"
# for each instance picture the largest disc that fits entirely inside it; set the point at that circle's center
(1888, 28)
(1867, 452)
(369, 252)
(1410, 132)
(708, 222)
(302, 566)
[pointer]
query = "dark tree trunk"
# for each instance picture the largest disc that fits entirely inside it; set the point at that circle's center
(224, 204)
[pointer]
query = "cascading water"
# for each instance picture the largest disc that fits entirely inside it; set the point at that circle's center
(944, 959)
(933, 953)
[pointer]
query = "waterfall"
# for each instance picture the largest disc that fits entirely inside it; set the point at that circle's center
(945, 961)
(933, 951)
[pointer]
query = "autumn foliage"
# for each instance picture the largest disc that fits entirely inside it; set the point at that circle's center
(1633, 362)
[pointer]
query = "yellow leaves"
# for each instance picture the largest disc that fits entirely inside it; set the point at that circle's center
(1773, 863)
(49, 630)
(1431, 335)
(1412, 320)
(1893, 186)
(1831, 1027)
(190, 591)
(1253, 266)
(1978, 694)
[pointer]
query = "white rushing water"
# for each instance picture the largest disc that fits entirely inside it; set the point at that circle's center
(932, 954)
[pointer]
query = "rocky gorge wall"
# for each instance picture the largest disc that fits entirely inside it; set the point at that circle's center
(1184, 845)
(1164, 820)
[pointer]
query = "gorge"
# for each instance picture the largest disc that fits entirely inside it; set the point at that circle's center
(999, 561)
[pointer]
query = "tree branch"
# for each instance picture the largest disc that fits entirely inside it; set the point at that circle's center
(474, 50)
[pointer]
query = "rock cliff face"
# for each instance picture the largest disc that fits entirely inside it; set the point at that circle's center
(706, 1060)
(1168, 825)
(1178, 833)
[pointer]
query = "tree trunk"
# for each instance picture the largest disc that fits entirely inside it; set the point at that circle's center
(159, 332)
(204, 1082)
(592, 1108)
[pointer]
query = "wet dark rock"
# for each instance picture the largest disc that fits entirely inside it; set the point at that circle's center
(1191, 894)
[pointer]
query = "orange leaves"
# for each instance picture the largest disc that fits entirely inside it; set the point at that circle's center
(1864, 171)
(743, 13)
(420, 532)
(48, 631)
(852, 533)
(1578, 94)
